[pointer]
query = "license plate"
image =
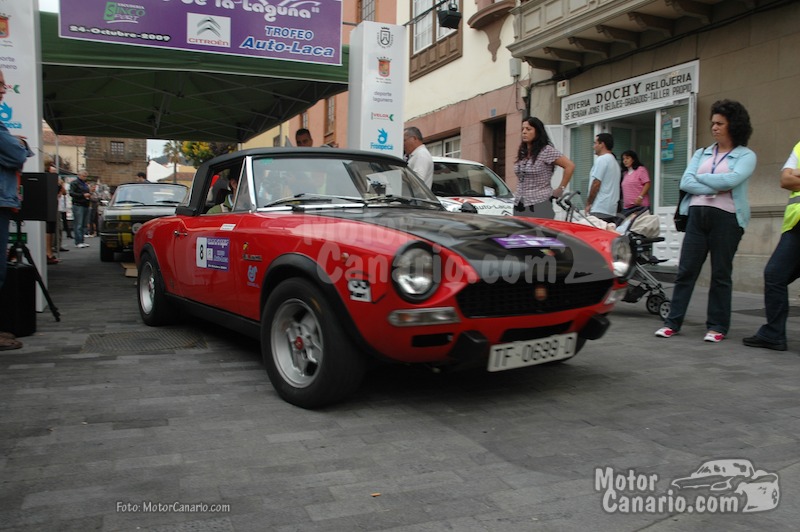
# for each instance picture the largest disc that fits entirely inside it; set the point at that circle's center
(531, 352)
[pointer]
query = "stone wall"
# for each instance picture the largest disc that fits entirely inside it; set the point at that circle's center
(115, 160)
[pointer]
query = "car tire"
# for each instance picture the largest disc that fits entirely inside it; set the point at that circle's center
(106, 253)
(154, 307)
(309, 358)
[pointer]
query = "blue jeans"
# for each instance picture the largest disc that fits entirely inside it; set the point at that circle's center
(5, 219)
(714, 231)
(80, 213)
(782, 269)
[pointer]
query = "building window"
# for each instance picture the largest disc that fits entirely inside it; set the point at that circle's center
(431, 45)
(117, 149)
(366, 10)
(450, 147)
(427, 23)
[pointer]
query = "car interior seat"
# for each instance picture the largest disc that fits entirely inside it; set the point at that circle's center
(221, 195)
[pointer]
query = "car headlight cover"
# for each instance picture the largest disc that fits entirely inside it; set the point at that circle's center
(622, 257)
(413, 273)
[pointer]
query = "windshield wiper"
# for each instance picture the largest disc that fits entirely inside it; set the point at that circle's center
(405, 200)
(129, 202)
(314, 197)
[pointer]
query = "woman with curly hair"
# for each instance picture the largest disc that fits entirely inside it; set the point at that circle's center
(534, 167)
(716, 202)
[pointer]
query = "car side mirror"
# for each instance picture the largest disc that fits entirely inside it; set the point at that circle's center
(469, 207)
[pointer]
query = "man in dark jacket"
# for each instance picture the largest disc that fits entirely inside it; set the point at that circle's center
(80, 194)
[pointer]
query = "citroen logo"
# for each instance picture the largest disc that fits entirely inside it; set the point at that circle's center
(208, 25)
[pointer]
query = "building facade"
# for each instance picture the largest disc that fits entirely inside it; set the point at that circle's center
(466, 93)
(68, 152)
(115, 160)
(647, 71)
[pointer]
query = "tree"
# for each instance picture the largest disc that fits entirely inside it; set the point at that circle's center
(172, 149)
(200, 152)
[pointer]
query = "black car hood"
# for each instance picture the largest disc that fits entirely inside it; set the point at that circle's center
(495, 246)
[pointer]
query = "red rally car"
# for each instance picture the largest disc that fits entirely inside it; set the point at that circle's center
(329, 256)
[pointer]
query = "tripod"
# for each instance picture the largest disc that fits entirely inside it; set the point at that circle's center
(17, 251)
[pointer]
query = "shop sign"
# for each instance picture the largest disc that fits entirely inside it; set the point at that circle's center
(631, 95)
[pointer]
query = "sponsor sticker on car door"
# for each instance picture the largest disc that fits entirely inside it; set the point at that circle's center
(212, 253)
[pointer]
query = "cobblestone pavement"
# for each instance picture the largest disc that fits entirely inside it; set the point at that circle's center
(106, 424)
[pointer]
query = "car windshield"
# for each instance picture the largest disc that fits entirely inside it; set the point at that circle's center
(148, 195)
(466, 179)
(724, 469)
(337, 180)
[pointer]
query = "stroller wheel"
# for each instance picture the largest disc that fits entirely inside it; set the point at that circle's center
(654, 302)
(663, 309)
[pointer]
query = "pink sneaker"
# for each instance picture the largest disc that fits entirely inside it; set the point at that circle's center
(713, 337)
(665, 332)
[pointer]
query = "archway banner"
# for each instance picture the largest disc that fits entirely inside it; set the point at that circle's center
(308, 31)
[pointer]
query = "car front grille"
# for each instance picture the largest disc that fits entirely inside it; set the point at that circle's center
(501, 298)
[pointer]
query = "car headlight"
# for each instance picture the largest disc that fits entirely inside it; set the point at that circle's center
(622, 257)
(413, 272)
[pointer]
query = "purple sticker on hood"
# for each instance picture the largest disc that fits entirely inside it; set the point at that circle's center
(528, 241)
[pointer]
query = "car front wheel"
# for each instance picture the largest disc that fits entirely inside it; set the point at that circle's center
(310, 360)
(154, 307)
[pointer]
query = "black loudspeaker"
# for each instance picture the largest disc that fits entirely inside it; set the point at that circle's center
(39, 196)
(449, 18)
(18, 300)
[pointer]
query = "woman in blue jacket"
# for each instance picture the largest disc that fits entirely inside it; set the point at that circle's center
(716, 202)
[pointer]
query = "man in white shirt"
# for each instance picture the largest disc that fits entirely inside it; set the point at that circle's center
(419, 158)
(604, 180)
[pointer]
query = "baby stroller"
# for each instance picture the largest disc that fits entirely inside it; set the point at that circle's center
(642, 230)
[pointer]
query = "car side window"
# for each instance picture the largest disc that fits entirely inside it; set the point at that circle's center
(219, 185)
(242, 201)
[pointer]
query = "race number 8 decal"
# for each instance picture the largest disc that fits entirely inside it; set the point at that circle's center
(200, 252)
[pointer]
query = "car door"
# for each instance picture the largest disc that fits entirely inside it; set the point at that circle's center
(204, 248)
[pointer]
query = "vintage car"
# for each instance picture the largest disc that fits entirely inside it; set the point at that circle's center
(329, 256)
(460, 184)
(757, 490)
(131, 206)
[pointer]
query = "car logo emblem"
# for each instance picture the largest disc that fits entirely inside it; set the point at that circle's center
(540, 292)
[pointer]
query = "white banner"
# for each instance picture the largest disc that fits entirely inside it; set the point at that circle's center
(377, 88)
(21, 109)
(662, 87)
